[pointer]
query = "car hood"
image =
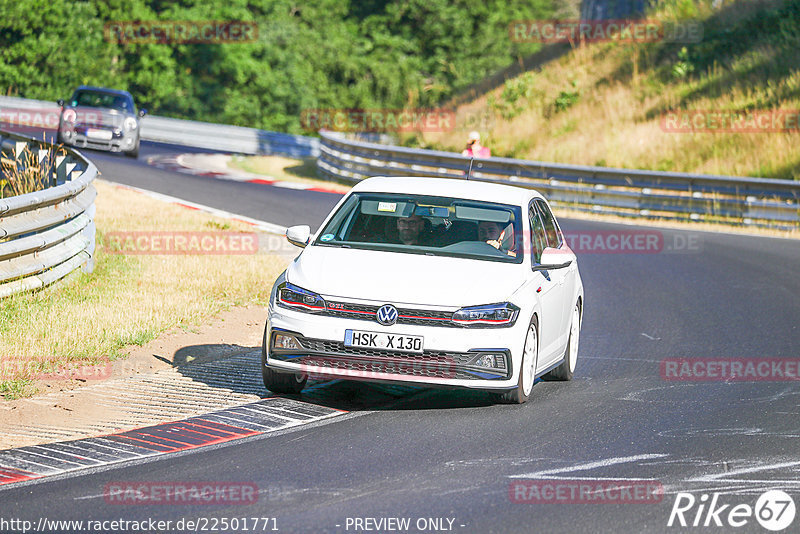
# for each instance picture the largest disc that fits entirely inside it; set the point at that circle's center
(400, 278)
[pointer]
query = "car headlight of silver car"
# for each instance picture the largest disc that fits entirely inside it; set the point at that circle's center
(129, 124)
(69, 116)
(501, 314)
(292, 296)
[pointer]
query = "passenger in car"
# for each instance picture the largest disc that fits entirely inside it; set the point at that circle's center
(495, 234)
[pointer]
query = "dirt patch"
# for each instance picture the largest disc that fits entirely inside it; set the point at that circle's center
(67, 409)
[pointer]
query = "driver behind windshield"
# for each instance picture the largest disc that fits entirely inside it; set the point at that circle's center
(409, 229)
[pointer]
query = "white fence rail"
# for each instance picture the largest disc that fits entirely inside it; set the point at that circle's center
(221, 137)
(45, 235)
(624, 192)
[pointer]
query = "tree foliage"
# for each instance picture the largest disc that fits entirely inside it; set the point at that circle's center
(322, 54)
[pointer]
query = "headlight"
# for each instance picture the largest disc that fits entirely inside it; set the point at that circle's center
(129, 123)
(291, 296)
(69, 115)
(285, 341)
(503, 314)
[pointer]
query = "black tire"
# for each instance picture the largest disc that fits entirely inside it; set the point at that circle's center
(518, 394)
(566, 369)
(277, 381)
(135, 152)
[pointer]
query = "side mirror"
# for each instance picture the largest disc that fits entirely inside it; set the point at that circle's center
(553, 258)
(142, 112)
(298, 235)
(60, 102)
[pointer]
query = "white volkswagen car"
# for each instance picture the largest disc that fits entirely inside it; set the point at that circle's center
(436, 282)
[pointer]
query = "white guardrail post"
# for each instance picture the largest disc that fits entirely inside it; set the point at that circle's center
(46, 235)
(761, 202)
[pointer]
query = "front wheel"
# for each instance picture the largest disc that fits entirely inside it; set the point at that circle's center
(135, 152)
(527, 368)
(567, 368)
(277, 381)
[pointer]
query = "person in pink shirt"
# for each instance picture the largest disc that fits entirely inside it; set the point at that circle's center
(474, 148)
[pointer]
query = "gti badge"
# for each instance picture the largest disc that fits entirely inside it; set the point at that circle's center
(386, 315)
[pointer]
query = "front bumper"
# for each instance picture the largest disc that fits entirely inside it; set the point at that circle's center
(449, 358)
(120, 141)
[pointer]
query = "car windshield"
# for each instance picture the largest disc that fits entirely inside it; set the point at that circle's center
(437, 226)
(98, 99)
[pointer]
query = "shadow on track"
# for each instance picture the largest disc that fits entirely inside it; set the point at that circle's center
(238, 370)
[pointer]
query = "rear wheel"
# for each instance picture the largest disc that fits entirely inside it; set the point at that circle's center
(278, 381)
(567, 368)
(527, 368)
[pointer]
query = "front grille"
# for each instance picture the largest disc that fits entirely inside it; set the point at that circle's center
(405, 316)
(84, 142)
(434, 356)
(430, 364)
(369, 368)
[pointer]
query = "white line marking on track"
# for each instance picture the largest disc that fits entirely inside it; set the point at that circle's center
(590, 465)
(724, 476)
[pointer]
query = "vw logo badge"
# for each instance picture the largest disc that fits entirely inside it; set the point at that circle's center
(386, 315)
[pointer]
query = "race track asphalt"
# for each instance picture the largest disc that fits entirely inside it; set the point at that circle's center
(423, 453)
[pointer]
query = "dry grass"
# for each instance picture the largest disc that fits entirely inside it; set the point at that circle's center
(128, 299)
(28, 172)
(286, 169)
(616, 120)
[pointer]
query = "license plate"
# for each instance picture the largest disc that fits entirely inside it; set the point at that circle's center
(379, 340)
(98, 134)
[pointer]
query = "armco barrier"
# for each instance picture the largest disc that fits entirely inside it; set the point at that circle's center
(624, 192)
(47, 234)
(206, 135)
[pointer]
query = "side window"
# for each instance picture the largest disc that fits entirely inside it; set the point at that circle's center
(538, 238)
(550, 227)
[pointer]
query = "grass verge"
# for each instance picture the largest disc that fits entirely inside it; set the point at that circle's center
(603, 104)
(128, 299)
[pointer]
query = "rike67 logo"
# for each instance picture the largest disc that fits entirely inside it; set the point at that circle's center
(774, 510)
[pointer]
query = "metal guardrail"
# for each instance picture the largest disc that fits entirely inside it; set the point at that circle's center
(47, 234)
(221, 137)
(227, 138)
(625, 192)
